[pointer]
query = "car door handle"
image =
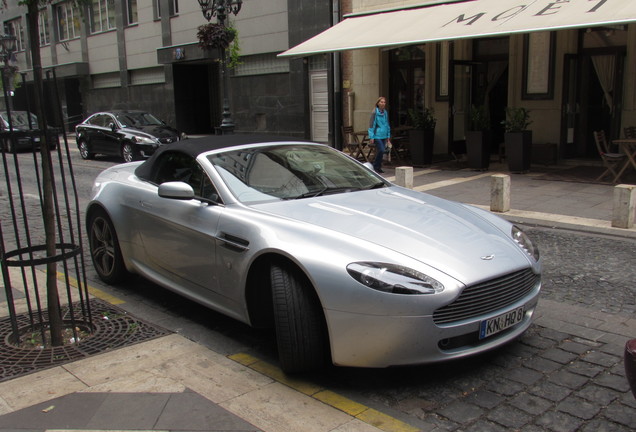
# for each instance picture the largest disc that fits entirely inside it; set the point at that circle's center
(145, 204)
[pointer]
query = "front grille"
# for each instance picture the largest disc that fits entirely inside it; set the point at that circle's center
(488, 297)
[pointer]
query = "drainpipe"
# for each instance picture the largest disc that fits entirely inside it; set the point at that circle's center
(336, 102)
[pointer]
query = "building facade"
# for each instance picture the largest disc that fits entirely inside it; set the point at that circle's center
(575, 77)
(144, 54)
(571, 63)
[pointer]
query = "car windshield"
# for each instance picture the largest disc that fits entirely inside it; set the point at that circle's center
(283, 172)
(136, 119)
(20, 119)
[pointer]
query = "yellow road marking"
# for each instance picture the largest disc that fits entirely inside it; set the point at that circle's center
(354, 409)
(92, 290)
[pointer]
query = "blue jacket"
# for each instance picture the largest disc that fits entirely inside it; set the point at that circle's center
(379, 125)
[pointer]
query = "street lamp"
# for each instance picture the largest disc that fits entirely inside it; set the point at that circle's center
(7, 48)
(221, 9)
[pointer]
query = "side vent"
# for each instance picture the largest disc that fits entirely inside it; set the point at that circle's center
(234, 243)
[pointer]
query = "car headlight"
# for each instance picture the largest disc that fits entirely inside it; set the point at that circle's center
(524, 242)
(393, 278)
(143, 140)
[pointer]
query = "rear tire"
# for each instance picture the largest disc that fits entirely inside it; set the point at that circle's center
(105, 251)
(299, 322)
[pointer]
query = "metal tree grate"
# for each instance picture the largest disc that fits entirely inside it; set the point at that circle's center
(113, 328)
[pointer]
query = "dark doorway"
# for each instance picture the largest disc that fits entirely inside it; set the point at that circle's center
(593, 90)
(460, 100)
(406, 88)
(73, 99)
(490, 82)
(196, 98)
(481, 82)
(600, 101)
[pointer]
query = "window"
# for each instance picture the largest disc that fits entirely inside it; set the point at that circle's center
(101, 120)
(45, 33)
(102, 15)
(538, 62)
(68, 20)
(174, 166)
(262, 64)
(174, 8)
(14, 27)
(131, 12)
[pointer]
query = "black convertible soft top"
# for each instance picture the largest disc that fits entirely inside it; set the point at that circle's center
(195, 146)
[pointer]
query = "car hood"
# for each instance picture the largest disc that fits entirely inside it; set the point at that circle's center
(157, 131)
(443, 234)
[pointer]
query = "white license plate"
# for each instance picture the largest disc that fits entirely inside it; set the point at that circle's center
(501, 322)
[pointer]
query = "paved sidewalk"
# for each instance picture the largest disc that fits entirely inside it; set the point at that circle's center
(174, 384)
(560, 204)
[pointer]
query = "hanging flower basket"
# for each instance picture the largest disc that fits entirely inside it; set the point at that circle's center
(214, 35)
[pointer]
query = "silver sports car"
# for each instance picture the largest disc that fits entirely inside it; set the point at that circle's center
(347, 267)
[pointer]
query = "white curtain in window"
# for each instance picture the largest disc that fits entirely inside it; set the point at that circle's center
(605, 66)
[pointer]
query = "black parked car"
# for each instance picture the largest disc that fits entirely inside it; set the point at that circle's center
(24, 127)
(133, 135)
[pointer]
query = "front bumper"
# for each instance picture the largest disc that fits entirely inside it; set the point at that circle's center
(383, 341)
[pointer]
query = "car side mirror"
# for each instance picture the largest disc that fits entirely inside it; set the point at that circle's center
(112, 127)
(176, 190)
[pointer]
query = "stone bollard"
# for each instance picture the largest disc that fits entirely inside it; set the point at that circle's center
(404, 176)
(624, 206)
(500, 193)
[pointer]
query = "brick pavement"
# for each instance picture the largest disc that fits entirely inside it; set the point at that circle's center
(565, 374)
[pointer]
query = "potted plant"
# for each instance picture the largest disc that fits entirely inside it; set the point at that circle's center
(213, 35)
(518, 139)
(422, 136)
(216, 36)
(478, 138)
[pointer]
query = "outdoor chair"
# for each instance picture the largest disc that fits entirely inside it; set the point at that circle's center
(611, 161)
(350, 143)
(630, 132)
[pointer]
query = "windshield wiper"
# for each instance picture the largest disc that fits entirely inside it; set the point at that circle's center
(377, 185)
(327, 191)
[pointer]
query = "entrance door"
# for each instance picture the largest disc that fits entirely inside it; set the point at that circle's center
(460, 101)
(594, 102)
(73, 97)
(596, 108)
(406, 87)
(570, 107)
(195, 105)
(319, 90)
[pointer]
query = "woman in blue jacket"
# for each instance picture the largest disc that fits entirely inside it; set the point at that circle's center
(379, 132)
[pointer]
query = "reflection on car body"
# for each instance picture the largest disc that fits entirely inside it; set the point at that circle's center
(348, 268)
(130, 134)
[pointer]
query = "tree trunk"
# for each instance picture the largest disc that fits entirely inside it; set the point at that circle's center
(48, 216)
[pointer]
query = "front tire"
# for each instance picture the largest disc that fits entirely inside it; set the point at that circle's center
(105, 251)
(299, 322)
(128, 153)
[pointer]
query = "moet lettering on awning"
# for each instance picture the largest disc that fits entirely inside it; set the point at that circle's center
(469, 19)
